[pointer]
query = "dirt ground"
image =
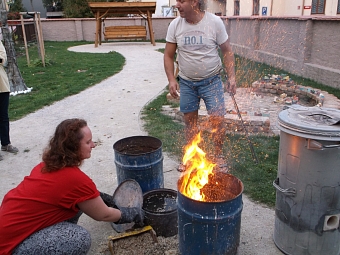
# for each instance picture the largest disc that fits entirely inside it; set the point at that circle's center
(112, 110)
(255, 237)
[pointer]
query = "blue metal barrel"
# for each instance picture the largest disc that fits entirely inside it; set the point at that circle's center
(211, 228)
(140, 158)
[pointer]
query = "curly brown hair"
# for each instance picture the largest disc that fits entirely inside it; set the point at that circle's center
(64, 147)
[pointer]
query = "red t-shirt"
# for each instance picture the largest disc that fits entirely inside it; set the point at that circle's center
(41, 200)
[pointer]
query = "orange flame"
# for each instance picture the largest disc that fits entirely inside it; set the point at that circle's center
(197, 170)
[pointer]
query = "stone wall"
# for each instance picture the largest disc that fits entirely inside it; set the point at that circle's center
(305, 46)
(74, 29)
(314, 96)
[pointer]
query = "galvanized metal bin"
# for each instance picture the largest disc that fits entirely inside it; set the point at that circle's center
(307, 209)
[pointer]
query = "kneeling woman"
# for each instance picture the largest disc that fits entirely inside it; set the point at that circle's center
(40, 215)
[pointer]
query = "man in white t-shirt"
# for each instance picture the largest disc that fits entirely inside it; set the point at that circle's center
(196, 37)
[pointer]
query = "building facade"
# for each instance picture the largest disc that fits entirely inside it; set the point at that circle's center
(282, 7)
(278, 8)
(243, 8)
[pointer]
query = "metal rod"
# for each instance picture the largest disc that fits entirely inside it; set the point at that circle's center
(246, 131)
(255, 158)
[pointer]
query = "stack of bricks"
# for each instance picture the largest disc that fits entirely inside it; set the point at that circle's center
(252, 124)
(278, 84)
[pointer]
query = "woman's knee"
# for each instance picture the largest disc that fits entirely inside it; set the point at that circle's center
(61, 238)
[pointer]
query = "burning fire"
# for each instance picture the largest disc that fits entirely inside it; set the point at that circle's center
(197, 170)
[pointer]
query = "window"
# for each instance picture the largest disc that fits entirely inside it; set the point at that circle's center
(237, 7)
(338, 12)
(318, 6)
(256, 7)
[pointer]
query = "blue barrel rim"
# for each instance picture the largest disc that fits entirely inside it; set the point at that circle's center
(215, 202)
(120, 141)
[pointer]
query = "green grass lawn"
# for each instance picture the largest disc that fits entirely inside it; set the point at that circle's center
(67, 73)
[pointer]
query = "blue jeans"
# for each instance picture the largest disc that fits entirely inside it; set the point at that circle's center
(210, 90)
(4, 119)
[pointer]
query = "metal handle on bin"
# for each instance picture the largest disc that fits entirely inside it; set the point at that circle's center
(314, 145)
(289, 191)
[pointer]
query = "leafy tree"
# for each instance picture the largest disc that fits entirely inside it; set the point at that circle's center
(77, 9)
(58, 4)
(47, 3)
(80, 8)
(15, 7)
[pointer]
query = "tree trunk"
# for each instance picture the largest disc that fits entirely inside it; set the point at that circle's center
(16, 81)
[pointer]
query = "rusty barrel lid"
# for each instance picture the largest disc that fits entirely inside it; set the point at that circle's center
(311, 122)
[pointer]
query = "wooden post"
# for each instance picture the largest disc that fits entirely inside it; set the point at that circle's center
(96, 41)
(42, 54)
(41, 37)
(36, 33)
(25, 40)
(100, 31)
(152, 36)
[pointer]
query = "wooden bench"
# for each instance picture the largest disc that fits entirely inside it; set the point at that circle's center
(125, 32)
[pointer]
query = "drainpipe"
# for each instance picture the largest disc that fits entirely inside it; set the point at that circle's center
(271, 8)
(303, 7)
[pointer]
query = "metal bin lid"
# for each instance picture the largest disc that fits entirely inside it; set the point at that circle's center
(128, 194)
(311, 122)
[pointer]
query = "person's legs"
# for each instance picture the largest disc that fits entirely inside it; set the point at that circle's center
(212, 92)
(4, 119)
(4, 124)
(62, 238)
(191, 129)
(217, 123)
(189, 104)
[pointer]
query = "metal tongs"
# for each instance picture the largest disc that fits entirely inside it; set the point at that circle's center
(243, 126)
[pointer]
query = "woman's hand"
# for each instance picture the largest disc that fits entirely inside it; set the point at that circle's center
(131, 214)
